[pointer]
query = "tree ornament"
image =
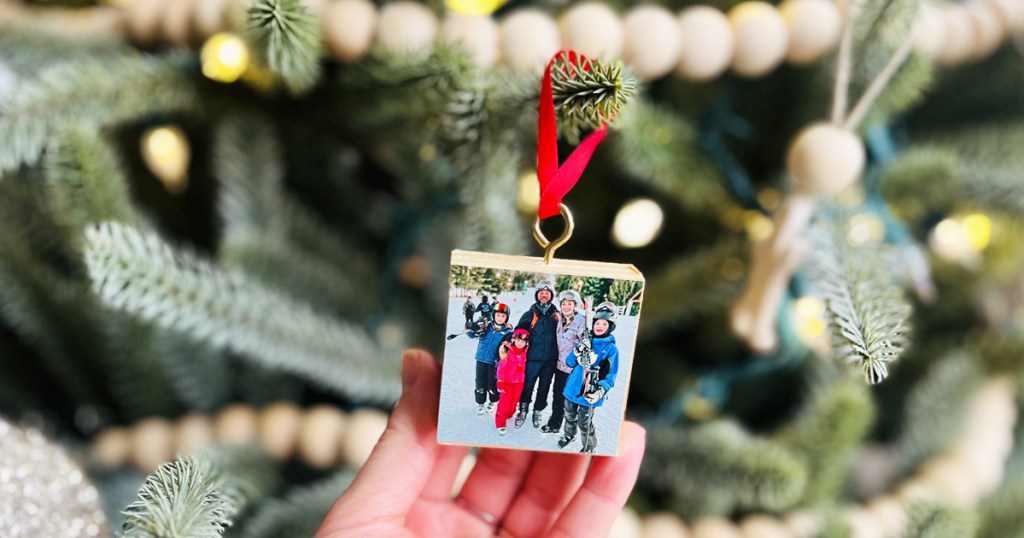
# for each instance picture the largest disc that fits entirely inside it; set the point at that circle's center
(825, 159)
(707, 45)
(477, 33)
(761, 38)
(224, 57)
(350, 27)
(592, 29)
(652, 42)
(43, 492)
(990, 29)
(959, 35)
(406, 27)
(813, 27)
(528, 38)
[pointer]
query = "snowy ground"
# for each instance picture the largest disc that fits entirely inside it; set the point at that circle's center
(458, 422)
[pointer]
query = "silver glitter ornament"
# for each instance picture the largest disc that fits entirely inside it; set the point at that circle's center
(42, 491)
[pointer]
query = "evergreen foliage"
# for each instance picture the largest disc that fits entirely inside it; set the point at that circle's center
(300, 512)
(288, 39)
(937, 520)
(588, 93)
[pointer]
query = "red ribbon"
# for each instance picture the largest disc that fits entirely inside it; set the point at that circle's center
(556, 182)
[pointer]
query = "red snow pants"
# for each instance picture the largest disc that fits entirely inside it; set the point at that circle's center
(508, 403)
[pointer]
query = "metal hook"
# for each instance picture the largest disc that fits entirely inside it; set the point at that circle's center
(551, 246)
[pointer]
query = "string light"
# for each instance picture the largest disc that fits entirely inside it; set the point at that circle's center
(167, 154)
(224, 57)
(474, 7)
(528, 196)
(758, 226)
(809, 321)
(865, 229)
(978, 228)
(961, 239)
(637, 223)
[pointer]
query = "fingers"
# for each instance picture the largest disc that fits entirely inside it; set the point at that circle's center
(552, 481)
(400, 465)
(605, 489)
(495, 480)
(446, 467)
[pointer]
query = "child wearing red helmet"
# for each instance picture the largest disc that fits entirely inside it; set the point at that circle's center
(511, 375)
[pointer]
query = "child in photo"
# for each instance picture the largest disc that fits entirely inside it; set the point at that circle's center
(569, 333)
(595, 363)
(487, 356)
(511, 374)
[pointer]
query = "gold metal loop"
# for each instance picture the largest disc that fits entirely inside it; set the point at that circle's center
(551, 246)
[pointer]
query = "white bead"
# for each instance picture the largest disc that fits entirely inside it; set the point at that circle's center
(235, 425)
(478, 33)
(1013, 13)
(320, 436)
(989, 28)
(142, 20)
(653, 41)
(890, 513)
(315, 7)
(714, 527)
(349, 28)
(112, 446)
(192, 433)
(863, 524)
(803, 523)
(929, 31)
(529, 38)
(364, 429)
(707, 43)
(626, 525)
(278, 427)
(959, 35)
(762, 526)
(814, 27)
(825, 159)
(152, 444)
(210, 17)
(406, 27)
(593, 30)
(951, 479)
(663, 525)
(176, 23)
(761, 38)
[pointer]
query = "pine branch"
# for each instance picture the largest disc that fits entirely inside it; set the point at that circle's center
(921, 182)
(299, 514)
(88, 94)
(828, 433)
(656, 147)
(935, 520)
(867, 310)
(716, 467)
(588, 94)
(288, 38)
(1000, 515)
(137, 273)
(198, 496)
(935, 409)
(24, 51)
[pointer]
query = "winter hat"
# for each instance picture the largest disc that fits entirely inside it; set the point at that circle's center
(570, 295)
(544, 285)
(608, 312)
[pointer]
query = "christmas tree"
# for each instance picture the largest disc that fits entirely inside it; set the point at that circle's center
(222, 221)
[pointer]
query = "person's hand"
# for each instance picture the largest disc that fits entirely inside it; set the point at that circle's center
(595, 396)
(405, 487)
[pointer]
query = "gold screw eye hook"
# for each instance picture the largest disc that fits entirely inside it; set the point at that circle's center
(551, 246)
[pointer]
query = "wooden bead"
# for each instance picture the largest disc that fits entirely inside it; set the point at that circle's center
(825, 159)
(990, 29)
(593, 30)
(112, 446)
(863, 524)
(529, 38)
(365, 427)
(626, 525)
(320, 436)
(663, 525)
(210, 17)
(890, 512)
(707, 43)
(762, 526)
(349, 28)
(278, 426)
(405, 27)
(477, 33)
(143, 20)
(236, 425)
(929, 31)
(951, 479)
(152, 443)
(958, 42)
(192, 432)
(814, 27)
(176, 26)
(803, 523)
(761, 38)
(1012, 12)
(315, 7)
(714, 527)
(652, 41)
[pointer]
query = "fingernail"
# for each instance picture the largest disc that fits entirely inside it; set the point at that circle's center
(410, 368)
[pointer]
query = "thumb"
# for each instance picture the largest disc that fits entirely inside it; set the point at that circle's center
(400, 464)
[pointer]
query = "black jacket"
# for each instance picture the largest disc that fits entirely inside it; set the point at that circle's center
(543, 334)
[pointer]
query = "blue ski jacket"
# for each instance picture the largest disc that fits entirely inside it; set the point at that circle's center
(487, 349)
(607, 365)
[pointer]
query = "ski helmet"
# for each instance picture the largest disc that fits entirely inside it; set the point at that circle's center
(501, 308)
(608, 312)
(544, 285)
(521, 332)
(570, 295)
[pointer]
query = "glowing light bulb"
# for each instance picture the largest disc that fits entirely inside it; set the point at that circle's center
(167, 154)
(949, 240)
(978, 230)
(864, 229)
(528, 196)
(474, 7)
(637, 223)
(808, 317)
(758, 226)
(224, 57)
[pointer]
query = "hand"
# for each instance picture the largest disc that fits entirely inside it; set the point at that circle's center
(405, 487)
(594, 397)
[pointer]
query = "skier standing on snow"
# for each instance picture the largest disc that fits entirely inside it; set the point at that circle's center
(468, 309)
(594, 368)
(511, 373)
(484, 308)
(486, 357)
(570, 333)
(542, 322)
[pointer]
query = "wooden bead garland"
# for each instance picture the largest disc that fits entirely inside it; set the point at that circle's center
(406, 26)
(528, 39)
(707, 43)
(278, 426)
(365, 427)
(813, 27)
(477, 33)
(152, 443)
(235, 425)
(592, 29)
(663, 525)
(349, 28)
(652, 43)
(761, 38)
(192, 432)
(320, 436)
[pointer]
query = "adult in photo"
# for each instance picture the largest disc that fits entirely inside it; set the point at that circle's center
(570, 333)
(468, 310)
(595, 363)
(542, 322)
(486, 391)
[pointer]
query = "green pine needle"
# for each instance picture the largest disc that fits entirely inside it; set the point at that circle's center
(289, 39)
(588, 94)
(867, 309)
(88, 94)
(937, 520)
(137, 272)
(300, 513)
